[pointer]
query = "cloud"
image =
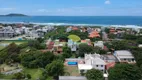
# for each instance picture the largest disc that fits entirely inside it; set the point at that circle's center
(42, 10)
(7, 9)
(107, 2)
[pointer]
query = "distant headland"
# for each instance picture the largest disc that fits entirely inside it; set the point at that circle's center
(14, 14)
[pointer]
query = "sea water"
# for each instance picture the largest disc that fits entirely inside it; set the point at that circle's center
(77, 20)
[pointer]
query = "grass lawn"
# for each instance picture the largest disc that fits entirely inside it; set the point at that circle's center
(35, 73)
(74, 38)
(5, 77)
(7, 42)
(72, 70)
(10, 41)
(1, 47)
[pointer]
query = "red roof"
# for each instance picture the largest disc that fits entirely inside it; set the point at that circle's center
(94, 34)
(50, 46)
(110, 65)
(74, 28)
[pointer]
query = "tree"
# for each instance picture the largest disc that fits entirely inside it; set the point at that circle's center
(139, 40)
(107, 30)
(28, 76)
(121, 45)
(19, 76)
(55, 68)
(111, 36)
(40, 40)
(24, 45)
(10, 53)
(130, 37)
(36, 44)
(94, 74)
(137, 52)
(85, 49)
(82, 35)
(66, 52)
(35, 59)
(102, 52)
(124, 72)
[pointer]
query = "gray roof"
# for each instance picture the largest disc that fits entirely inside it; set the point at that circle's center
(72, 78)
(124, 54)
(111, 58)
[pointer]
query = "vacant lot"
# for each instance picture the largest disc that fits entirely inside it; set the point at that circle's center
(35, 73)
(7, 42)
(72, 71)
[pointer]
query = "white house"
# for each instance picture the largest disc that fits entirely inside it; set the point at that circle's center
(92, 61)
(124, 56)
(68, 29)
(99, 44)
(140, 45)
(72, 45)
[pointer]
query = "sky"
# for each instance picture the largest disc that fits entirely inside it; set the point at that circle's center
(72, 7)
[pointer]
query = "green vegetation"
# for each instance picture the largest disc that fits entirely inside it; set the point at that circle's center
(7, 42)
(55, 68)
(84, 48)
(47, 66)
(75, 38)
(94, 74)
(35, 59)
(71, 71)
(35, 73)
(124, 72)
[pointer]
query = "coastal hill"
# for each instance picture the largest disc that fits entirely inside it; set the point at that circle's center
(14, 14)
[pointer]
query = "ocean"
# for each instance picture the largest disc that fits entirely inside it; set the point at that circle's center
(76, 20)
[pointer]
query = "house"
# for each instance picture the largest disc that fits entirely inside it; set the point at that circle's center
(87, 41)
(95, 61)
(92, 61)
(7, 32)
(112, 30)
(110, 60)
(75, 28)
(33, 34)
(68, 29)
(124, 56)
(83, 29)
(50, 45)
(72, 78)
(58, 46)
(140, 45)
(73, 45)
(99, 44)
(94, 34)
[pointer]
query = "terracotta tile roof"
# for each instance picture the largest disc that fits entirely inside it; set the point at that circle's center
(74, 28)
(94, 34)
(83, 41)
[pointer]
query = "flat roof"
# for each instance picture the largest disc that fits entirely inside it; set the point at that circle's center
(84, 66)
(72, 78)
(123, 53)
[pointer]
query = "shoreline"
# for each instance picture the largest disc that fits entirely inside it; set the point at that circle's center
(72, 24)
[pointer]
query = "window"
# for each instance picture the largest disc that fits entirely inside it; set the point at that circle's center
(133, 59)
(102, 65)
(96, 65)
